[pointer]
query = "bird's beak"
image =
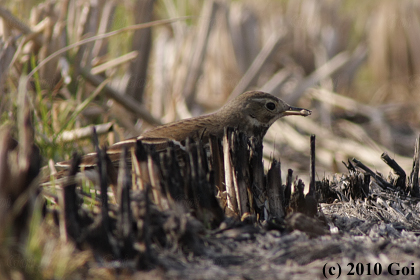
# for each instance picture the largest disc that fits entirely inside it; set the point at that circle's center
(297, 111)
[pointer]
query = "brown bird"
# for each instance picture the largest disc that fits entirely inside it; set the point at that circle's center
(252, 112)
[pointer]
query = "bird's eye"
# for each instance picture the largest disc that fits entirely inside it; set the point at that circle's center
(270, 106)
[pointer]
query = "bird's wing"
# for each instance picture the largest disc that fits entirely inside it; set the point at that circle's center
(179, 131)
(159, 136)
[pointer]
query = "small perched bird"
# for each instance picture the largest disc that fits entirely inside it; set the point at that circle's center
(252, 112)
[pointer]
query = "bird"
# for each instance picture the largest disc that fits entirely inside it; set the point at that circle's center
(252, 113)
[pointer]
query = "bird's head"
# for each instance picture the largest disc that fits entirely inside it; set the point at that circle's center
(263, 109)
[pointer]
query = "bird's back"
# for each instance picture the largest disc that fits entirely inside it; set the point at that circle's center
(195, 128)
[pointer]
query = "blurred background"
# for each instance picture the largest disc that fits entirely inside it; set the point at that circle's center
(355, 64)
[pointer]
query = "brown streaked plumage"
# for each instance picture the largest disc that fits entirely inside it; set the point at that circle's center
(252, 112)
(249, 112)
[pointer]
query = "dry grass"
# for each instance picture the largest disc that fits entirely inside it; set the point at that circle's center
(191, 66)
(194, 64)
(311, 53)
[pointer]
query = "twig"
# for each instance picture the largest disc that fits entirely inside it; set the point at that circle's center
(12, 21)
(381, 182)
(277, 81)
(248, 79)
(114, 62)
(100, 37)
(239, 170)
(397, 169)
(330, 67)
(230, 189)
(312, 167)
(125, 218)
(258, 188)
(141, 42)
(195, 68)
(70, 207)
(80, 133)
(275, 190)
(288, 189)
(126, 101)
(414, 176)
